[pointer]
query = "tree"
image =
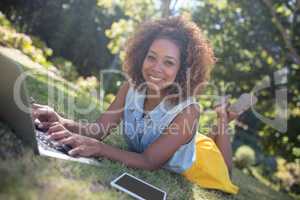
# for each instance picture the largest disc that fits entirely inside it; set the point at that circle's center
(74, 29)
(135, 12)
(252, 40)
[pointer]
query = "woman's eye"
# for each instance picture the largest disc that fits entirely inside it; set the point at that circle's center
(169, 63)
(151, 58)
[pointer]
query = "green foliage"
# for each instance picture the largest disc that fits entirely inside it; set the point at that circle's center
(4, 21)
(109, 98)
(74, 29)
(88, 84)
(66, 68)
(118, 33)
(250, 46)
(124, 27)
(31, 46)
(288, 175)
(244, 157)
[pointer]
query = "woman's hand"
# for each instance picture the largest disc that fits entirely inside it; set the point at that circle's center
(58, 132)
(223, 112)
(82, 145)
(46, 115)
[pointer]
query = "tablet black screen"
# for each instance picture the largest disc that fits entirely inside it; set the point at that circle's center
(141, 189)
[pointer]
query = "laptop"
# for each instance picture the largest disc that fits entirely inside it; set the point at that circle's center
(15, 112)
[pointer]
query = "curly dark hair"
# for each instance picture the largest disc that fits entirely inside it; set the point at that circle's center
(196, 54)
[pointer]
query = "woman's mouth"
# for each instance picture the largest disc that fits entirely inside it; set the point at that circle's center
(155, 78)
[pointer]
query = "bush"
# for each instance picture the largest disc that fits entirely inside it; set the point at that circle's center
(244, 157)
(33, 47)
(109, 98)
(66, 68)
(89, 84)
(268, 165)
(4, 21)
(288, 175)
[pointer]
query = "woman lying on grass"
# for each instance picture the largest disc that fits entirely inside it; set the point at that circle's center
(168, 61)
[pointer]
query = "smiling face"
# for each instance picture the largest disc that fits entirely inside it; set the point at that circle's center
(161, 64)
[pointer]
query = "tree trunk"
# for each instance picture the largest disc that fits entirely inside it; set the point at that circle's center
(165, 8)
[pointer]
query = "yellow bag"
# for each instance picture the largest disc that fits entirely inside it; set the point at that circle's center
(209, 170)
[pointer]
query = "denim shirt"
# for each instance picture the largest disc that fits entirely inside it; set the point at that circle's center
(139, 132)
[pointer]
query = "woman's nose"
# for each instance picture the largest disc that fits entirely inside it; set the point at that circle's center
(158, 67)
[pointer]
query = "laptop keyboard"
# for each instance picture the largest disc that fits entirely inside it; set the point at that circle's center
(49, 144)
(52, 146)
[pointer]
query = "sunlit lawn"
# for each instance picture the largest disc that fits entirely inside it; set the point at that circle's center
(26, 176)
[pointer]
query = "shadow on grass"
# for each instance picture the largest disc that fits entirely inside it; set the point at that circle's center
(26, 176)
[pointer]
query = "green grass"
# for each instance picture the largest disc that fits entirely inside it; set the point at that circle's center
(26, 176)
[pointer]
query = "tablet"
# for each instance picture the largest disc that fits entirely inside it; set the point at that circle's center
(244, 102)
(138, 188)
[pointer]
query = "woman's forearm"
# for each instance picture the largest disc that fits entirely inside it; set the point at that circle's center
(223, 140)
(222, 124)
(130, 159)
(87, 129)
